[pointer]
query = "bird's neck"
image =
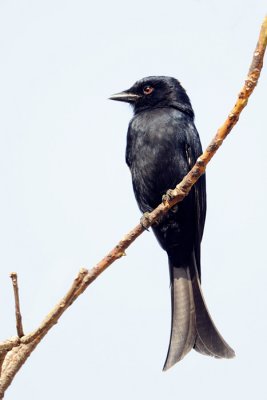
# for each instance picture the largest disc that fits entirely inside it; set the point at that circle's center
(183, 107)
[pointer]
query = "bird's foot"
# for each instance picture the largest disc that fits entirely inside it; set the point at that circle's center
(168, 196)
(145, 221)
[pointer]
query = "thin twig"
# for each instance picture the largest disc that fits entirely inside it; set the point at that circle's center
(14, 278)
(21, 348)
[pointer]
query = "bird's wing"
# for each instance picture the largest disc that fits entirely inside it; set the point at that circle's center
(193, 151)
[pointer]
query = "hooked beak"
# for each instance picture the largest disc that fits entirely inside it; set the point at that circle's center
(126, 96)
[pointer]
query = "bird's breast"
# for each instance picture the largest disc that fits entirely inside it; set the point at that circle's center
(155, 147)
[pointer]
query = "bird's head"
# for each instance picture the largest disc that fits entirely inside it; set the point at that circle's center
(156, 92)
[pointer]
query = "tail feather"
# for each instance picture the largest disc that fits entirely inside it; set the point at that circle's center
(207, 333)
(192, 326)
(200, 347)
(183, 331)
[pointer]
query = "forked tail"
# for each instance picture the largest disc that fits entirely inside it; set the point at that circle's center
(192, 325)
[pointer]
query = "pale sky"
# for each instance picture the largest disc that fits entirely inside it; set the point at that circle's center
(66, 195)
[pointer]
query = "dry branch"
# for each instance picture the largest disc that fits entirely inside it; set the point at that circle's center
(19, 326)
(15, 351)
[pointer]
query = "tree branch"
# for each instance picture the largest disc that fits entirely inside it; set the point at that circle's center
(15, 351)
(14, 278)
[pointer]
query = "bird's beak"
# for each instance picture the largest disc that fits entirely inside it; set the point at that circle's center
(126, 96)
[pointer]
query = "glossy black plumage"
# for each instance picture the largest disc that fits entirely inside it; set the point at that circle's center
(162, 146)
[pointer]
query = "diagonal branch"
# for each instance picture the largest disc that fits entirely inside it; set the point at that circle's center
(15, 351)
(3, 354)
(14, 360)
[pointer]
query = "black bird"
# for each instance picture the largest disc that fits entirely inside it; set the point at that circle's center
(162, 146)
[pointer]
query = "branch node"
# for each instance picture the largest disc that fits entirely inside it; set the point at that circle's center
(200, 163)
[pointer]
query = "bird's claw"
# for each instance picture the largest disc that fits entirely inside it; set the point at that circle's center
(168, 196)
(145, 221)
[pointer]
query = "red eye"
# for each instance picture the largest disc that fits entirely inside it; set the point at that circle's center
(148, 89)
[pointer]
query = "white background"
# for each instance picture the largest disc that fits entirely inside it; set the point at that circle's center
(66, 195)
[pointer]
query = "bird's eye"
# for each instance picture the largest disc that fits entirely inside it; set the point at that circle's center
(148, 89)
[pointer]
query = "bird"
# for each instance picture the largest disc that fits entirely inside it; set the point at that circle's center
(162, 146)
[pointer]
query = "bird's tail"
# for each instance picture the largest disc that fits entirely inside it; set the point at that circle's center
(192, 326)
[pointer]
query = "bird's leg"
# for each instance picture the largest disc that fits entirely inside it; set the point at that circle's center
(145, 221)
